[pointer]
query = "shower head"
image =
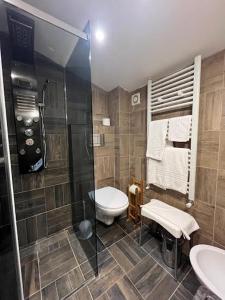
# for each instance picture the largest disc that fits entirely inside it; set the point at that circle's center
(21, 30)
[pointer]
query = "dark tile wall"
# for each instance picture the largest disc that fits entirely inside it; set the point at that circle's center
(42, 199)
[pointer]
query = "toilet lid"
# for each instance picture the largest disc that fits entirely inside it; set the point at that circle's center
(111, 198)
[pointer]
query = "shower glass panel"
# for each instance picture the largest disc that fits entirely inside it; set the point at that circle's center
(8, 272)
(47, 81)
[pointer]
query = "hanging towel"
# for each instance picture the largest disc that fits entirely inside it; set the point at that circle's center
(179, 129)
(175, 162)
(174, 220)
(156, 139)
(156, 173)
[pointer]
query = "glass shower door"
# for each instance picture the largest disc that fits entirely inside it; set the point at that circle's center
(81, 158)
(10, 275)
(47, 79)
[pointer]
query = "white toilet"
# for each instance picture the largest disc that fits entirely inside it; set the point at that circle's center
(110, 203)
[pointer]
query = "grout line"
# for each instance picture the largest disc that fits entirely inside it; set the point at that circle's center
(39, 274)
(75, 257)
(56, 290)
(126, 273)
(216, 194)
(161, 265)
(180, 285)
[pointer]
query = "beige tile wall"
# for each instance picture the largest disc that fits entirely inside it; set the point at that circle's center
(105, 155)
(209, 208)
(123, 155)
(119, 106)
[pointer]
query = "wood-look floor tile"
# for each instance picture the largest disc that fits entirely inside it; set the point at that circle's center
(147, 275)
(104, 297)
(69, 282)
(105, 264)
(36, 296)
(82, 249)
(82, 294)
(123, 290)
(182, 294)
(191, 282)
(56, 258)
(56, 273)
(50, 292)
(145, 235)
(164, 289)
(30, 273)
(28, 254)
(182, 270)
(127, 225)
(51, 244)
(127, 253)
(109, 234)
(142, 271)
(100, 285)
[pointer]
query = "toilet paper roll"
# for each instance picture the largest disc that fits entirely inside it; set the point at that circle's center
(133, 189)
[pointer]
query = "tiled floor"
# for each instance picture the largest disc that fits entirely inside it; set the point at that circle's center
(126, 270)
(52, 267)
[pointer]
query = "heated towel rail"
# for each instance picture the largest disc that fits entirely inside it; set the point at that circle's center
(178, 91)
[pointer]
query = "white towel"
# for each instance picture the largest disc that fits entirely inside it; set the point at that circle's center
(175, 163)
(156, 140)
(156, 173)
(174, 220)
(179, 129)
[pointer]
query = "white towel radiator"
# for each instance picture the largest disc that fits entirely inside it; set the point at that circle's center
(176, 91)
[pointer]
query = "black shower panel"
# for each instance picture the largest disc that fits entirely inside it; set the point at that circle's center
(27, 118)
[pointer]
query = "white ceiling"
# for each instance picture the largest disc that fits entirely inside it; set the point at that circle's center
(144, 38)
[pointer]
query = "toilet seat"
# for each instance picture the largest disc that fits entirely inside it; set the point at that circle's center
(110, 198)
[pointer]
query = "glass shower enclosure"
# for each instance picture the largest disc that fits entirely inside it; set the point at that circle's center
(48, 222)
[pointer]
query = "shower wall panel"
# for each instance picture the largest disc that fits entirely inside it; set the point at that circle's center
(42, 199)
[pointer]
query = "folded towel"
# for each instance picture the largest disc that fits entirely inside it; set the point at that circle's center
(156, 173)
(175, 163)
(179, 129)
(156, 139)
(174, 220)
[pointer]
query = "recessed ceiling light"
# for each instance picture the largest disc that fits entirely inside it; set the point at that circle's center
(99, 35)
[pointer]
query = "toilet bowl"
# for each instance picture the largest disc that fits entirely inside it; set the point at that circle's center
(110, 203)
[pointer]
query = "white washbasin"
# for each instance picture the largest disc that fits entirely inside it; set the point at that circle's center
(208, 263)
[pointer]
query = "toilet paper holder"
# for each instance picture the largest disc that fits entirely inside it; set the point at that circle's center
(136, 196)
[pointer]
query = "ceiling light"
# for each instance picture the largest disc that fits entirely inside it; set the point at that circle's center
(99, 35)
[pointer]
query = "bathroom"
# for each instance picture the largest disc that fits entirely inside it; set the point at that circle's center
(83, 92)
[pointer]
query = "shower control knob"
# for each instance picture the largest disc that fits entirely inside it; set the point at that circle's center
(29, 132)
(38, 150)
(29, 142)
(19, 118)
(28, 122)
(22, 151)
(36, 119)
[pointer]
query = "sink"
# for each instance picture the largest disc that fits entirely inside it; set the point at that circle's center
(208, 263)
